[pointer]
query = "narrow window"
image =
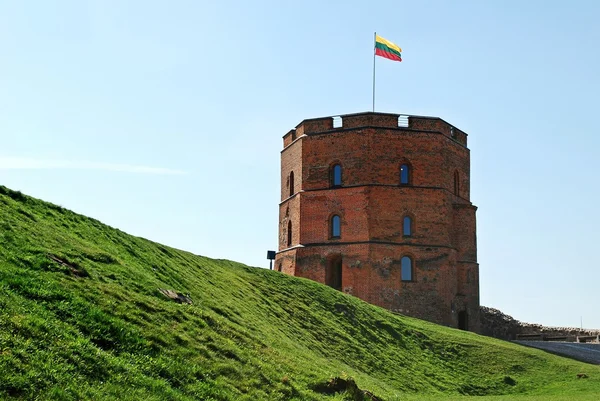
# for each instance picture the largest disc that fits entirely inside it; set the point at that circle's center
(407, 271)
(289, 234)
(291, 183)
(336, 176)
(404, 174)
(336, 227)
(456, 184)
(407, 226)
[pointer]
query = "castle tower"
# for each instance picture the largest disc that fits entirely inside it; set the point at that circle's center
(377, 205)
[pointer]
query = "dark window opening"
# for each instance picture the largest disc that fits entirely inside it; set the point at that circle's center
(407, 268)
(289, 234)
(280, 267)
(463, 320)
(336, 176)
(291, 183)
(333, 275)
(405, 174)
(456, 184)
(336, 227)
(407, 226)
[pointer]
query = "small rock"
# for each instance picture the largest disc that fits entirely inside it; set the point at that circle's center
(175, 296)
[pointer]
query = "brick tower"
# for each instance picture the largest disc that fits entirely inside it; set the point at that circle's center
(377, 205)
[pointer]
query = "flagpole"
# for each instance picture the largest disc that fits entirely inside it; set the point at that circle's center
(374, 44)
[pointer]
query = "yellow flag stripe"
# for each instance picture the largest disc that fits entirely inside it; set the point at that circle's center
(386, 42)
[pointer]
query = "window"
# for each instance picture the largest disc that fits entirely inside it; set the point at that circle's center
(404, 174)
(289, 234)
(407, 269)
(407, 226)
(291, 183)
(456, 183)
(336, 176)
(336, 227)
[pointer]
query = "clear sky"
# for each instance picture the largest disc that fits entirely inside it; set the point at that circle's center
(164, 119)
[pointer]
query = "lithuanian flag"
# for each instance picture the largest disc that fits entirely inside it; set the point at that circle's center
(387, 49)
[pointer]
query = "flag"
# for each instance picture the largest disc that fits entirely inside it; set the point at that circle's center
(387, 49)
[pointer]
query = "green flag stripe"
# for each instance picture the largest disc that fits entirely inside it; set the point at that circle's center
(385, 48)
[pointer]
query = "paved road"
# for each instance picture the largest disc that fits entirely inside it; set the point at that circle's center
(589, 353)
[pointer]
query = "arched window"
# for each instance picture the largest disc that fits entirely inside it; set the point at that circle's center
(407, 268)
(336, 175)
(404, 174)
(407, 226)
(456, 183)
(336, 227)
(291, 183)
(289, 234)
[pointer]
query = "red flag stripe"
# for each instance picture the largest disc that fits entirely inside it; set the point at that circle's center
(388, 55)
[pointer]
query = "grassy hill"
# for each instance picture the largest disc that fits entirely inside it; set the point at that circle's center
(82, 317)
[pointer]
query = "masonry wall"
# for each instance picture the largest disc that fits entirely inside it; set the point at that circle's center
(372, 273)
(291, 161)
(494, 323)
(286, 261)
(318, 207)
(289, 211)
(374, 156)
(426, 207)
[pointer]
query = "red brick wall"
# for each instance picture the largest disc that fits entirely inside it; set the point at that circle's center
(319, 206)
(285, 261)
(463, 232)
(372, 273)
(372, 203)
(374, 156)
(439, 125)
(389, 205)
(291, 160)
(289, 211)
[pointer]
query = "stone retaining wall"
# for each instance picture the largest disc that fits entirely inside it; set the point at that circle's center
(496, 324)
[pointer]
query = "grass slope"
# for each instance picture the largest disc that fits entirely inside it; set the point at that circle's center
(97, 327)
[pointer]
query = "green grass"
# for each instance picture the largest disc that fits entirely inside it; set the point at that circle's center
(98, 328)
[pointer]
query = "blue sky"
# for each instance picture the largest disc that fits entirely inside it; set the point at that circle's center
(165, 119)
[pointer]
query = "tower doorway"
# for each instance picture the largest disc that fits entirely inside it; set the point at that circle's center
(463, 320)
(333, 273)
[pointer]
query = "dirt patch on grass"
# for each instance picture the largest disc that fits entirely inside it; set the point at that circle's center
(348, 386)
(74, 268)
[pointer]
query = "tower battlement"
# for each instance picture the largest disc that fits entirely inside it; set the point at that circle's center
(322, 125)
